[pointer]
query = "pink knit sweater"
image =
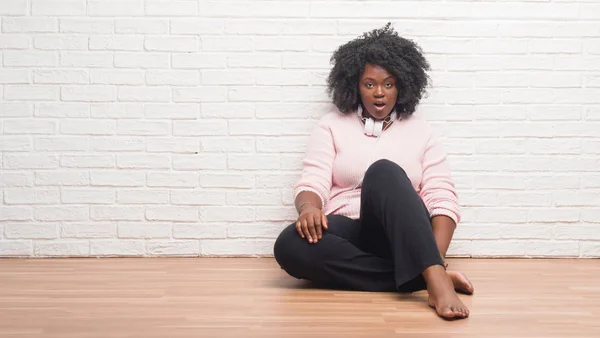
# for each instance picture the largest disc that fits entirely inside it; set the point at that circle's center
(339, 153)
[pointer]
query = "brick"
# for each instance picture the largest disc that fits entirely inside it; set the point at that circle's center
(14, 76)
(15, 7)
(172, 44)
(545, 215)
(234, 77)
(587, 249)
(16, 248)
(228, 110)
(173, 77)
(20, 109)
(298, 110)
(199, 231)
(199, 60)
(61, 144)
(61, 213)
(171, 8)
(226, 44)
(86, 59)
(29, 25)
(226, 214)
(254, 162)
(87, 127)
(62, 110)
(305, 60)
(12, 213)
(172, 213)
(146, 161)
(117, 110)
(31, 196)
(199, 26)
(30, 93)
(117, 43)
(115, 8)
(61, 42)
(283, 44)
(202, 94)
(30, 231)
(275, 181)
(144, 94)
(204, 127)
(87, 25)
(263, 9)
(60, 77)
(173, 145)
(62, 178)
(113, 143)
(143, 196)
(228, 180)
(173, 179)
(144, 230)
(87, 161)
(15, 143)
(228, 144)
(141, 60)
(255, 94)
(87, 196)
(141, 26)
(252, 60)
(62, 249)
(199, 162)
(256, 197)
(174, 248)
(142, 128)
(236, 247)
(171, 111)
(198, 197)
(31, 161)
(88, 93)
(118, 178)
(254, 230)
(117, 248)
(288, 144)
(58, 7)
(88, 230)
(116, 213)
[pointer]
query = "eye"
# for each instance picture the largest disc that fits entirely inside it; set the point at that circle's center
(389, 85)
(369, 85)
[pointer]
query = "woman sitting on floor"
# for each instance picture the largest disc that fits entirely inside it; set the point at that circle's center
(376, 202)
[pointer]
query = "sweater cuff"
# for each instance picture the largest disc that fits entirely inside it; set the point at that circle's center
(445, 212)
(300, 189)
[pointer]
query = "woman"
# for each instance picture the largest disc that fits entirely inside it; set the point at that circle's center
(377, 207)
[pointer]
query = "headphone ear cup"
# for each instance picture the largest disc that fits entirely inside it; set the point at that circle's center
(369, 126)
(378, 128)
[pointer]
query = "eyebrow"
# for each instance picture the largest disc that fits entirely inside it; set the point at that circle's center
(368, 78)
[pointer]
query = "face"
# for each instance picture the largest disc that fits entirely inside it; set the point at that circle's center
(378, 91)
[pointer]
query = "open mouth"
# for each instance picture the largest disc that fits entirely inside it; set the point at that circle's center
(379, 105)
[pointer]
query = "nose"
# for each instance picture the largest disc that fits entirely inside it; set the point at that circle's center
(379, 92)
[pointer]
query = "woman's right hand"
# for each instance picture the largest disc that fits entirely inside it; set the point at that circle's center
(310, 223)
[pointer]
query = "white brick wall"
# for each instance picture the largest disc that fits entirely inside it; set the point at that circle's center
(156, 127)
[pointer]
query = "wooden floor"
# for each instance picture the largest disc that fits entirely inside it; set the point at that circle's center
(251, 297)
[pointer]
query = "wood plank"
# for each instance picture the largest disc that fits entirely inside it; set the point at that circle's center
(252, 297)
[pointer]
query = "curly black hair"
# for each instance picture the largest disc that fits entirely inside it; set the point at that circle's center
(383, 47)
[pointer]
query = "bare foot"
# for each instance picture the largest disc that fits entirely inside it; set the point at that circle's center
(461, 282)
(442, 296)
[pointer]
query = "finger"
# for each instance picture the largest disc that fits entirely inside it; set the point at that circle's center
(299, 228)
(311, 228)
(305, 229)
(324, 220)
(318, 227)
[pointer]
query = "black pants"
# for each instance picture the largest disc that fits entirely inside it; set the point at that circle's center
(386, 249)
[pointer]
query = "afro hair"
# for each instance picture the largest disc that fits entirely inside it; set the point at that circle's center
(383, 47)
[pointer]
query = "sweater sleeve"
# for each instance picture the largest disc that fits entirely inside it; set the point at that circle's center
(317, 164)
(437, 187)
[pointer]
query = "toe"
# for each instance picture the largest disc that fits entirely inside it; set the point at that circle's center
(447, 312)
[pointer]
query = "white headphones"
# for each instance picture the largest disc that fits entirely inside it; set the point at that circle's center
(372, 127)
